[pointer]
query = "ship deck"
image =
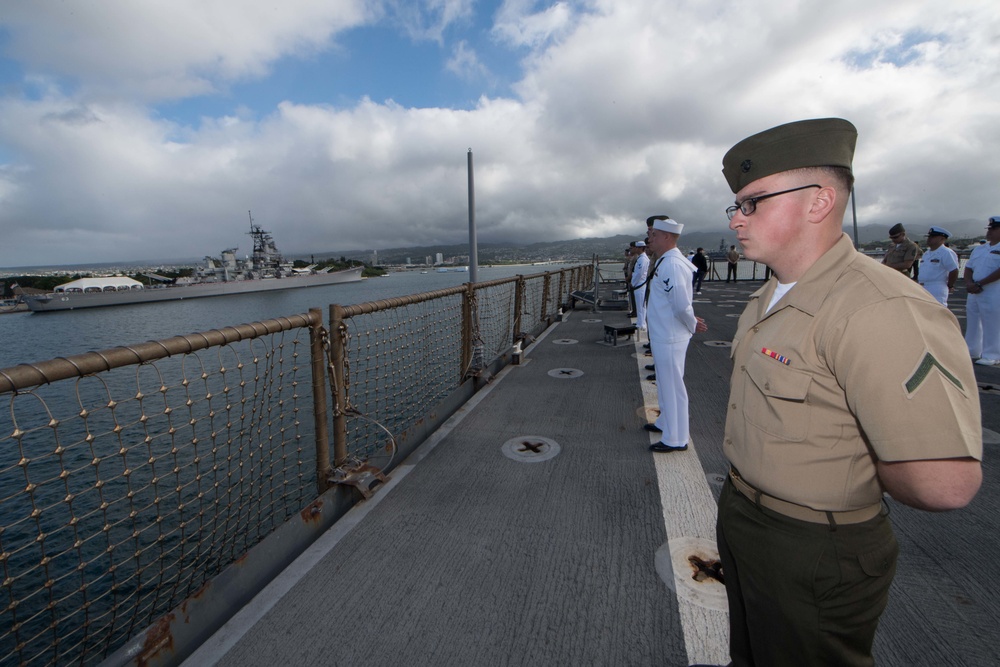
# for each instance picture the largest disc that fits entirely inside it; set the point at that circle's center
(537, 528)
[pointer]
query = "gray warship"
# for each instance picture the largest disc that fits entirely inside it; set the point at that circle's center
(263, 271)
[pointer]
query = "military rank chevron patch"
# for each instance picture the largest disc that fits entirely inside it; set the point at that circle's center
(923, 371)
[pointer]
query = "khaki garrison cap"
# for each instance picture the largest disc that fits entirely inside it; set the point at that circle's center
(821, 142)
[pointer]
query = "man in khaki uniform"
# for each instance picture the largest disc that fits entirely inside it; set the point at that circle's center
(733, 260)
(835, 359)
(903, 252)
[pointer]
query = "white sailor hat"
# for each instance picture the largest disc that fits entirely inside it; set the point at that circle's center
(640, 244)
(939, 231)
(668, 225)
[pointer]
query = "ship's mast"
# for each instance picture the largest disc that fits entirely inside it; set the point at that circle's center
(265, 254)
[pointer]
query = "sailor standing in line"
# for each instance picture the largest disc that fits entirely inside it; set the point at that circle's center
(638, 283)
(671, 321)
(982, 280)
(938, 266)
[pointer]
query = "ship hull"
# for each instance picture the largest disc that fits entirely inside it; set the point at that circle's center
(76, 300)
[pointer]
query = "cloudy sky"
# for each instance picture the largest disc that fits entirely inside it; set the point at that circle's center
(133, 129)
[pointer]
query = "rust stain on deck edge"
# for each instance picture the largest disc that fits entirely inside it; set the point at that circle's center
(158, 638)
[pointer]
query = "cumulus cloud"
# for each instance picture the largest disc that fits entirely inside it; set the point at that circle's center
(155, 51)
(620, 109)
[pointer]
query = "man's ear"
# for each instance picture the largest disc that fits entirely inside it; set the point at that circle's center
(823, 204)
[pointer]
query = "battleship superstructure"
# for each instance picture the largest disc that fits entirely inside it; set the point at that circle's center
(264, 270)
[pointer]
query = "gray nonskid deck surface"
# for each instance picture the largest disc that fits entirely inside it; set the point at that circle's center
(474, 559)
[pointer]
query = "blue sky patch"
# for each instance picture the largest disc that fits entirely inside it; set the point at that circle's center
(900, 54)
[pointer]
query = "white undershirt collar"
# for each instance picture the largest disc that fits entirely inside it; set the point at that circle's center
(779, 292)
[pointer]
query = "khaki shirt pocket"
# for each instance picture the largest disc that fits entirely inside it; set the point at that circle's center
(775, 398)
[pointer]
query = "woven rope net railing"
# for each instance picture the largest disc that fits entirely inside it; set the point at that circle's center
(122, 492)
(402, 360)
(402, 357)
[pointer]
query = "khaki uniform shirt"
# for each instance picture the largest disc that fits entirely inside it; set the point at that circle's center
(856, 363)
(733, 256)
(902, 252)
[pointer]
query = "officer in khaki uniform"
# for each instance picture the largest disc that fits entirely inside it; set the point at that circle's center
(903, 253)
(834, 360)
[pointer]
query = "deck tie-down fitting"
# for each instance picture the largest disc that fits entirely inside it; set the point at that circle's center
(706, 569)
(530, 449)
(362, 476)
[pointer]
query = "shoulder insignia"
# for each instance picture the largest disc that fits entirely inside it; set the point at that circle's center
(923, 370)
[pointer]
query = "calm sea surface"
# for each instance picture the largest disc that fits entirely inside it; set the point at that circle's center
(32, 337)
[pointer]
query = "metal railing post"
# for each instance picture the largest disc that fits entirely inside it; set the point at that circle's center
(546, 285)
(317, 352)
(597, 284)
(338, 330)
(467, 297)
(562, 288)
(518, 306)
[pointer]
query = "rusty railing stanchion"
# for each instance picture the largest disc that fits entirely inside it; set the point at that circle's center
(338, 331)
(317, 354)
(546, 286)
(467, 297)
(518, 307)
(562, 290)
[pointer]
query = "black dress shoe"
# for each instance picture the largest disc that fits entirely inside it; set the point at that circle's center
(660, 447)
(652, 428)
(651, 377)
(650, 367)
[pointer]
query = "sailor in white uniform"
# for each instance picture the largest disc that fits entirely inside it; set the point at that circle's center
(638, 282)
(671, 321)
(938, 265)
(982, 310)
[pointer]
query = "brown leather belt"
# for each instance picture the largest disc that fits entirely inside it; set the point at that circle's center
(801, 512)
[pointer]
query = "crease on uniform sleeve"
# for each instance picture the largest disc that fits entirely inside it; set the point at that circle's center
(908, 380)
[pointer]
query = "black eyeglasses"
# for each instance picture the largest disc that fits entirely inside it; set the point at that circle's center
(749, 205)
